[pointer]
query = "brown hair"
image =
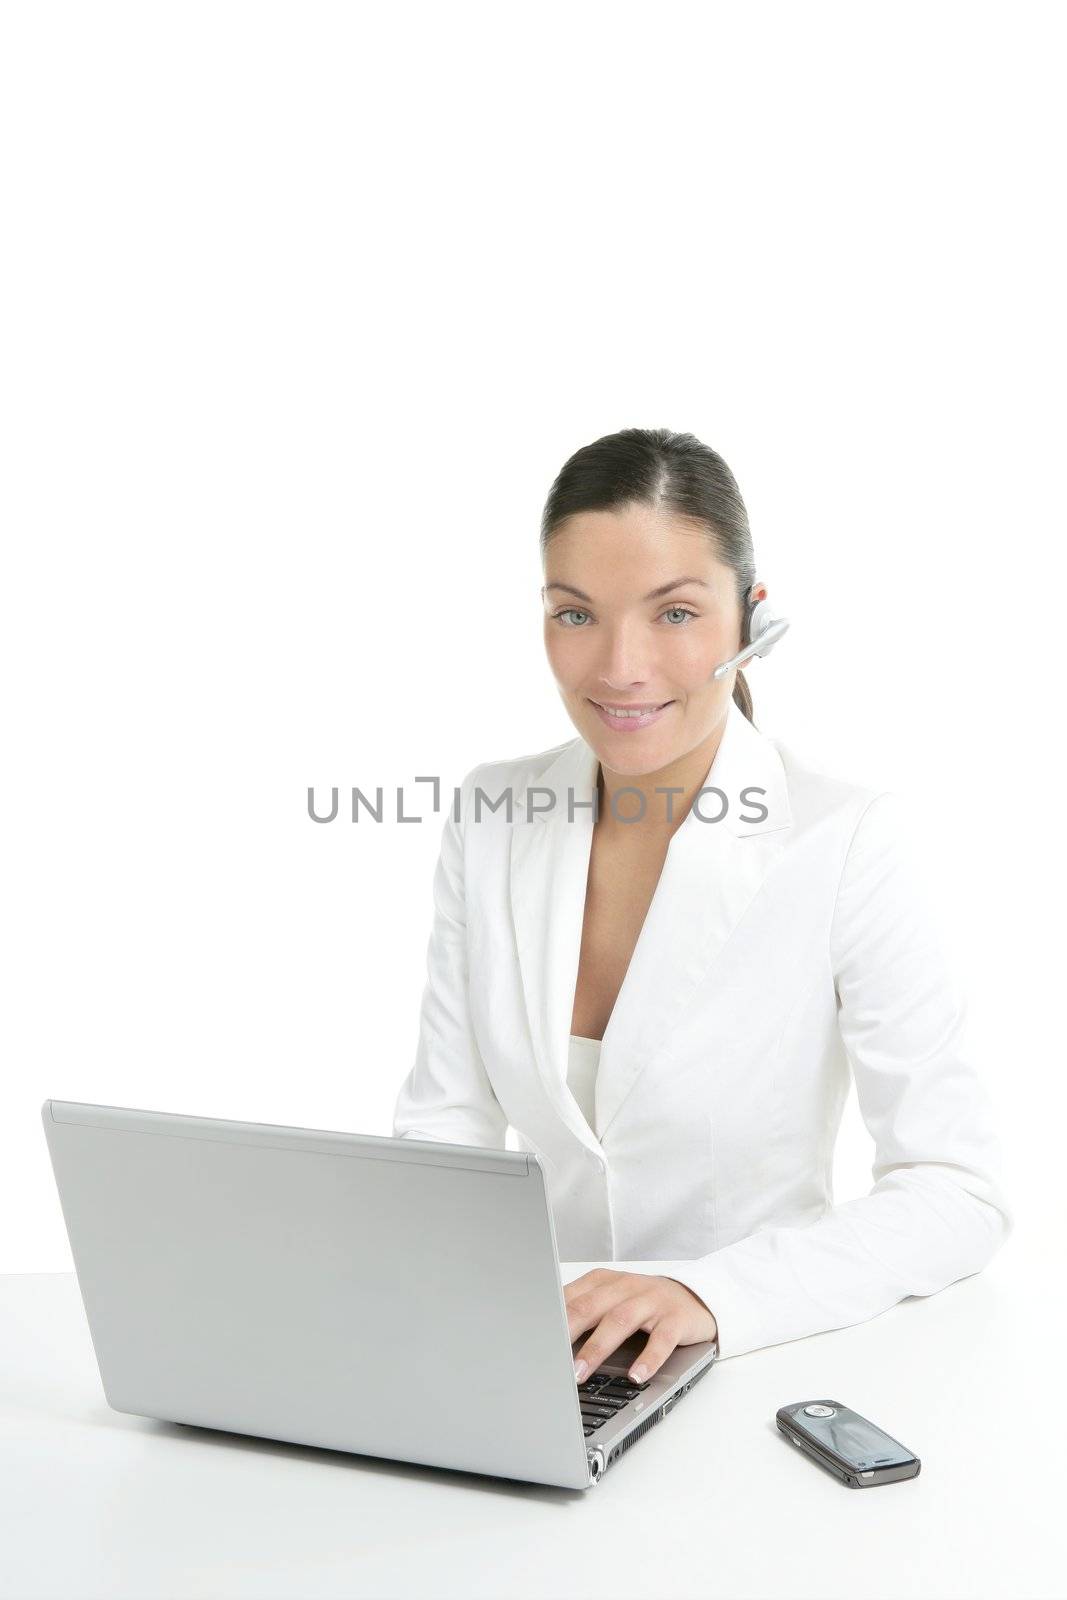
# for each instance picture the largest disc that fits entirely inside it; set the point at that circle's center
(670, 471)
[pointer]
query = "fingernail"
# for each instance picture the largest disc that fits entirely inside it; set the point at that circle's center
(580, 1369)
(638, 1374)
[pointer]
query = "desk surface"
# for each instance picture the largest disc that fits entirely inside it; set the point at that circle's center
(713, 1502)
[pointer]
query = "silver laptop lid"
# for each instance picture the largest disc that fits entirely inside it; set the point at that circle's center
(390, 1297)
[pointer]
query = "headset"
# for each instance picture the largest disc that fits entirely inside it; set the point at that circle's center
(760, 634)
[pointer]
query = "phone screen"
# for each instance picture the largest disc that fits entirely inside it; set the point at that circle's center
(861, 1444)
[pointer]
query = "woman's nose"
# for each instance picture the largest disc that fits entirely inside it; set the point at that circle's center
(624, 660)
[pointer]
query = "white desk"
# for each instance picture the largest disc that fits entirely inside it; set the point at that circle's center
(713, 1502)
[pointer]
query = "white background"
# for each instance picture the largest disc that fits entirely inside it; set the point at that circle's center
(304, 307)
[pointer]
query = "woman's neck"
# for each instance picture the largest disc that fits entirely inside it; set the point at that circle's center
(667, 795)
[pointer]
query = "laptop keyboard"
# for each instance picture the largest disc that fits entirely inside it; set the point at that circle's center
(602, 1395)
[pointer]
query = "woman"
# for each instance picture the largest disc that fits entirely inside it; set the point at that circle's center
(660, 947)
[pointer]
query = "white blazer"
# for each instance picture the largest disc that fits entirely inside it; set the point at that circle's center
(784, 944)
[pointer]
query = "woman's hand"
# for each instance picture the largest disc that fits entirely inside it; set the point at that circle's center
(617, 1304)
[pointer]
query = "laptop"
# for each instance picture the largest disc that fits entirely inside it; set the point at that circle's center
(387, 1297)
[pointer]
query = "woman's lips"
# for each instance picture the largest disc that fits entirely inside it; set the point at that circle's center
(630, 724)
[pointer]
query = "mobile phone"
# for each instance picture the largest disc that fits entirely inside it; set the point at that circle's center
(848, 1445)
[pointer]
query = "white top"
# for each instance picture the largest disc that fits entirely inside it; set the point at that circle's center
(582, 1064)
(779, 952)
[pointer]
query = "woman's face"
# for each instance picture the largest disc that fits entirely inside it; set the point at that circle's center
(621, 631)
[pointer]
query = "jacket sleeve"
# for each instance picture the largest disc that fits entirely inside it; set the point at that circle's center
(447, 1095)
(936, 1212)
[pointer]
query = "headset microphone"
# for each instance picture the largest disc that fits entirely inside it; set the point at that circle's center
(763, 632)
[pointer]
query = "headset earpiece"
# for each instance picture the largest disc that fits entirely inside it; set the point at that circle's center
(759, 620)
(761, 632)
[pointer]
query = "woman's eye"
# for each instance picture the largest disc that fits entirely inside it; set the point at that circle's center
(679, 613)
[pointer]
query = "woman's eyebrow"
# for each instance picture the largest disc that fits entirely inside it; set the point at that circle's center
(664, 588)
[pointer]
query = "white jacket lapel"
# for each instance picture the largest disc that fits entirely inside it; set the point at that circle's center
(711, 873)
